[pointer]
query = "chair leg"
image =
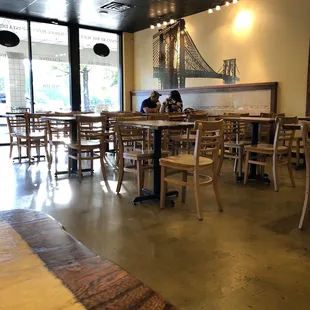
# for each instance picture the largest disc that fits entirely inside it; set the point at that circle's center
(184, 179)
(297, 153)
(275, 172)
(29, 152)
(235, 165)
(120, 175)
(38, 151)
(220, 164)
(69, 162)
(92, 163)
(240, 155)
(47, 155)
(196, 192)
(304, 213)
(11, 147)
(80, 164)
(217, 192)
(163, 187)
(50, 161)
(139, 177)
(56, 158)
(246, 168)
(19, 149)
(290, 171)
(103, 170)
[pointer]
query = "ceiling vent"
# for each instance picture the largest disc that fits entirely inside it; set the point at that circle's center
(115, 7)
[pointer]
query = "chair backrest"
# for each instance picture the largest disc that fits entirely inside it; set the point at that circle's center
(58, 129)
(267, 115)
(90, 128)
(237, 114)
(192, 117)
(284, 136)
(209, 139)
(16, 124)
(235, 131)
(158, 117)
(35, 123)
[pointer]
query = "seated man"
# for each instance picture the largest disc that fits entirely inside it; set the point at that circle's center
(152, 104)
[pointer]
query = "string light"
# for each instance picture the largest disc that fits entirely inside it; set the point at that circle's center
(158, 25)
(172, 21)
(227, 3)
(152, 27)
(217, 7)
(210, 11)
(165, 23)
(235, 1)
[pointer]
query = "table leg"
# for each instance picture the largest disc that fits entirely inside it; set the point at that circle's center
(155, 195)
(74, 139)
(254, 141)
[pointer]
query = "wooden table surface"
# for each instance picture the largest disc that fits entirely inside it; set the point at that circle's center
(43, 267)
(250, 119)
(157, 124)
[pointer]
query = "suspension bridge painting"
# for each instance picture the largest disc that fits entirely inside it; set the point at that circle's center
(176, 57)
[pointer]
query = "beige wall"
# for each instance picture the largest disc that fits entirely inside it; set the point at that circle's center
(270, 43)
(128, 63)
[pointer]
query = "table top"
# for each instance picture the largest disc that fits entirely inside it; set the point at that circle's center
(157, 124)
(43, 267)
(250, 119)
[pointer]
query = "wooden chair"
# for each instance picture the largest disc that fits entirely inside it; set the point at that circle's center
(90, 139)
(59, 133)
(208, 140)
(185, 140)
(306, 142)
(34, 136)
(15, 125)
(280, 151)
(235, 139)
(139, 157)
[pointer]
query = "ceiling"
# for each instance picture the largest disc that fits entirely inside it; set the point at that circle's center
(139, 16)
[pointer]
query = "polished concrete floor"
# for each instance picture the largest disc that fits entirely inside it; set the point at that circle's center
(251, 256)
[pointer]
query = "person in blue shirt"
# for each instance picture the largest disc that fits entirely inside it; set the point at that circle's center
(151, 104)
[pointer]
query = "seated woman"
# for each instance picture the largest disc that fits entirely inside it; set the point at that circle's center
(173, 103)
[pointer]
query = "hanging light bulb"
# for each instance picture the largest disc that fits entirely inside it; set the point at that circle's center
(210, 11)
(158, 25)
(235, 1)
(172, 21)
(152, 27)
(227, 3)
(217, 7)
(165, 23)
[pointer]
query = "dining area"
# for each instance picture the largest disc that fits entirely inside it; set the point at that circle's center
(193, 147)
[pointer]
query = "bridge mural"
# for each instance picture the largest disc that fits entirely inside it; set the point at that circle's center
(176, 57)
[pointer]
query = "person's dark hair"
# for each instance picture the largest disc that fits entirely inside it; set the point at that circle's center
(175, 95)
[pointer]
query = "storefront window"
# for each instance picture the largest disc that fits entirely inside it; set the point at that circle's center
(100, 88)
(50, 64)
(14, 74)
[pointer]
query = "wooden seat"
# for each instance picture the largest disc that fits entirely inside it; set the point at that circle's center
(59, 133)
(33, 136)
(306, 142)
(130, 152)
(209, 136)
(90, 138)
(280, 151)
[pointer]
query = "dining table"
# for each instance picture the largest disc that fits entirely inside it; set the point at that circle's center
(43, 267)
(157, 126)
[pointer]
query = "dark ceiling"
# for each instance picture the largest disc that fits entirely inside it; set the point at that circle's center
(139, 16)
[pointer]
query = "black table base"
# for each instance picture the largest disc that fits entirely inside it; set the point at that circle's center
(151, 196)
